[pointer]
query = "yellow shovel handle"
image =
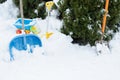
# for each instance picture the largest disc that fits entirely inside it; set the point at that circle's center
(105, 15)
(49, 4)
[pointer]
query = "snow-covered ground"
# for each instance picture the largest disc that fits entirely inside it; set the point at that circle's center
(62, 59)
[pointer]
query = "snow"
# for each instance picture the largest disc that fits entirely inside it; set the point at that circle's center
(56, 1)
(61, 60)
(8, 10)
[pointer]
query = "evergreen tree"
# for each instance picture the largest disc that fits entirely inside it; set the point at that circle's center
(33, 8)
(1, 1)
(82, 19)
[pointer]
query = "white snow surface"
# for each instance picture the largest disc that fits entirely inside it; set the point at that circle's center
(61, 60)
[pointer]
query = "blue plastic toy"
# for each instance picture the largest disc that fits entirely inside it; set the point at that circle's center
(22, 42)
(27, 23)
(31, 40)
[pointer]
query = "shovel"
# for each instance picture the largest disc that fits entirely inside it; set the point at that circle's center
(101, 45)
(48, 5)
(25, 41)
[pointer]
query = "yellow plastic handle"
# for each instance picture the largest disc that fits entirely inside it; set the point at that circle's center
(49, 4)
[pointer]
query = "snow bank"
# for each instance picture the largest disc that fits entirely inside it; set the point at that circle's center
(8, 10)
